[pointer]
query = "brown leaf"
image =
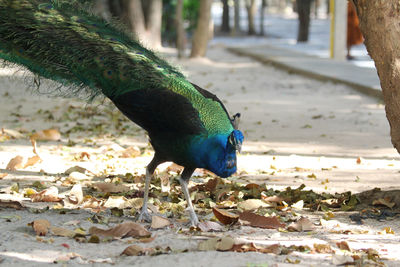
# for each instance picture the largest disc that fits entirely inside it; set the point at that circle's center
(32, 161)
(111, 187)
(11, 204)
(255, 220)
(226, 243)
(323, 248)
(225, 217)
(59, 231)
(384, 202)
(302, 225)
(174, 168)
(127, 229)
(131, 152)
(209, 244)
(2, 175)
(252, 186)
(75, 169)
(343, 245)
(133, 250)
(46, 135)
(158, 222)
(252, 204)
(76, 195)
(211, 185)
(12, 133)
(15, 163)
(41, 227)
(209, 226)
(48, 195)
(273, 199)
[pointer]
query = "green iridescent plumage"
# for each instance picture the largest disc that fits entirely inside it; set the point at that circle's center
(60, 41)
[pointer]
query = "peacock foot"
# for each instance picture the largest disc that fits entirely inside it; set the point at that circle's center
(144, 216)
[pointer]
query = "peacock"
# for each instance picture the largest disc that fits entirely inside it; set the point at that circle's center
(61, 41)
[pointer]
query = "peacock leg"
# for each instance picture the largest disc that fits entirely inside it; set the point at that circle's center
(185, 176)
(144, 214)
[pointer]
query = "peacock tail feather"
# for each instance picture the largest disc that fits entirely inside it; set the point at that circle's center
(89, 56)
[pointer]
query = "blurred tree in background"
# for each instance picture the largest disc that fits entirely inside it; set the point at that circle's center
(251, 8)
(304, 11)
(202, 32)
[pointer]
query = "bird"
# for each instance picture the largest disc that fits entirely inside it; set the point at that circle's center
(61, 41)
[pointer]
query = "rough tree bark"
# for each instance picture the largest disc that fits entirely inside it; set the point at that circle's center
(304, 10)
(153, 23)
(201, 34)
(379, 22)
(262, 15)
(236, 25)
(132, 15)
(251, 8)
(225, 27)
(180, 31)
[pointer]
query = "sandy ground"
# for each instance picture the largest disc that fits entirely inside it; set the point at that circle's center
(294, 127)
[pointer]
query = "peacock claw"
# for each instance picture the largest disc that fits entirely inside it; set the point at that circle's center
(144, 217)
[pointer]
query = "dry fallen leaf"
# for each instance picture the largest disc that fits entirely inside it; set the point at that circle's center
(158, 222)
(252, 204)
(59, 231)
(12, 133)
(118, 202)
(302, 225)
(224, 243)
(131, 152)
(209, 244)
(323, 248)
(76, 195)
(41, 227)
(48, 195)
(15, 163)
(273, 199)
(256, 220)
(46, 135)
(174, 168)
(11, 204)
(225, 217)
(127, 229)
(343, 245)
(208, 226)
(2, 175)
(75, 169)
(32, 161)
(384, 201)
(133, 250)
(111, 187)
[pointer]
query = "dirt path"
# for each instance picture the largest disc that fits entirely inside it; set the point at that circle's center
(297, 130)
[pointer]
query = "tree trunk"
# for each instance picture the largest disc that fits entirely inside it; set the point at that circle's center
(132, 15)
(236, 26)
(153, 23)
(225, 27)
(303, 9)
(379, 22)
(262, 14)
(115, 7)
(202, 32)
(251, 13)
(180, 31)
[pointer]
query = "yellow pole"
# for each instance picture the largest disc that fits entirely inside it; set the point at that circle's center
(332, 33)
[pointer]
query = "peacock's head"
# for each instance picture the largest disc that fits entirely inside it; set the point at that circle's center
(221, 156)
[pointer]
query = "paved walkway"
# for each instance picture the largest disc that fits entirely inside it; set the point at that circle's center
(362, 79)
